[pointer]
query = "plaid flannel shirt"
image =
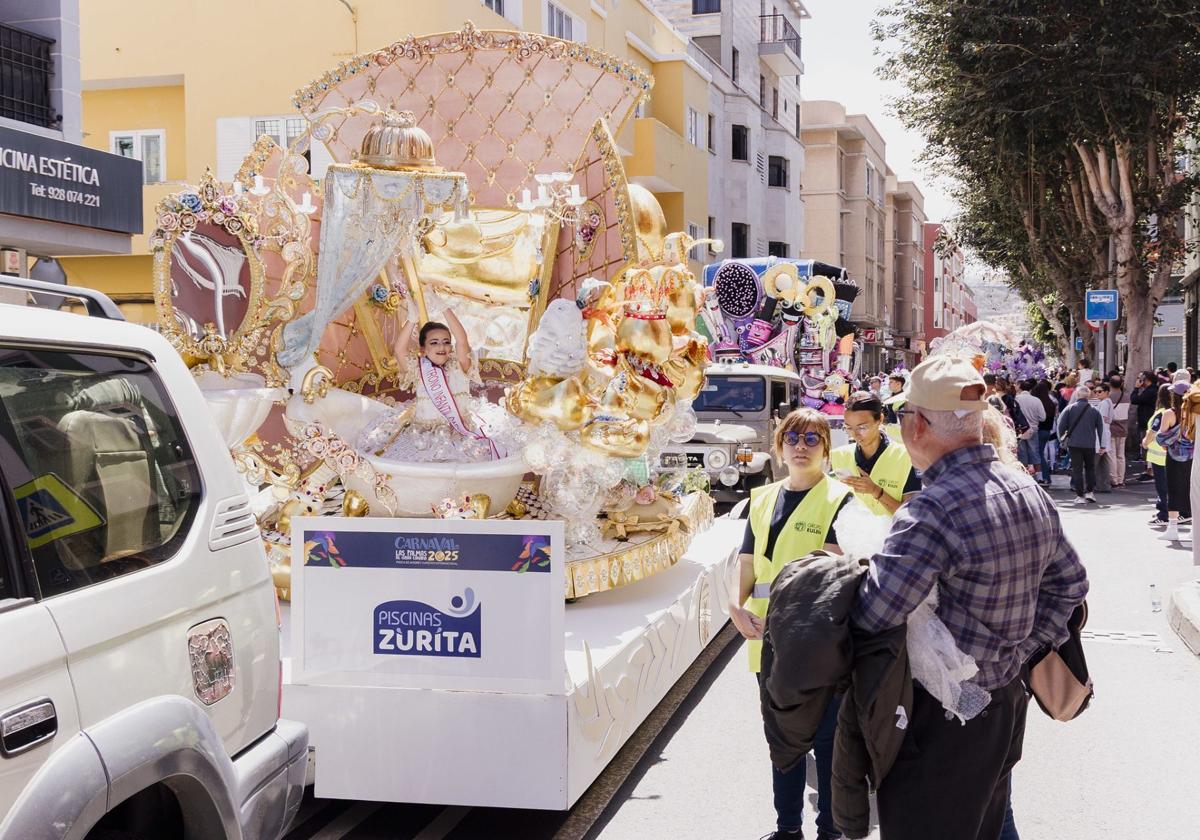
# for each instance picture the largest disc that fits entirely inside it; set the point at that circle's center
(990, 539)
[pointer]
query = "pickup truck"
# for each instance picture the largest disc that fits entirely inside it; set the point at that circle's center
(140, 678)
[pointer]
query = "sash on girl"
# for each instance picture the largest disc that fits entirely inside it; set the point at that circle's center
(433, 380)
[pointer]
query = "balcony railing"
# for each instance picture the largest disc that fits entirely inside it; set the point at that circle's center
(25, 71)
(775, 29)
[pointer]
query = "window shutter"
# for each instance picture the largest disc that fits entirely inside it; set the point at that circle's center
(235, 136)
(320, 160)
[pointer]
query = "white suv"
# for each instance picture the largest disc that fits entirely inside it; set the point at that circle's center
(139, 671)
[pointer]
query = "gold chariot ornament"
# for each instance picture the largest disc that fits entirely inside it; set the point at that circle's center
(397, 142)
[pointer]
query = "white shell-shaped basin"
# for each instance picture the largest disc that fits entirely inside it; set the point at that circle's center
(418, 487)
(239, 403)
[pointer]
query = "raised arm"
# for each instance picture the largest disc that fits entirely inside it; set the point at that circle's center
(408, 335)
(462, 344)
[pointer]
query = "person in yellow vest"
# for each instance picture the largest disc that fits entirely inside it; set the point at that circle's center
(1156, 455)
(876, 467)
(893, 402)
(788, 520)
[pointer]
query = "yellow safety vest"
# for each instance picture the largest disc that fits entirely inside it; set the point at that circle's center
(890, 472)
(803, 534)
(892, 430)
(1156, 453)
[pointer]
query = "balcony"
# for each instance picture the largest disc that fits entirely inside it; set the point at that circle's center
(25, 71)
(663, 162)
(779, 45)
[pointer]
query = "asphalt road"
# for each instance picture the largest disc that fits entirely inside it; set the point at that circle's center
(1129, 767)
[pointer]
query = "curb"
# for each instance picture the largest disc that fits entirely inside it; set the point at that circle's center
(1183, 614)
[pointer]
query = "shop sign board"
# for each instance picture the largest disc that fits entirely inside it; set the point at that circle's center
(870, 335)
(44, 178)
(1100, 305)
(456, 604)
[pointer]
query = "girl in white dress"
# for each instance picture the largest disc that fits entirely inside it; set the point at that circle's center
(443, 423)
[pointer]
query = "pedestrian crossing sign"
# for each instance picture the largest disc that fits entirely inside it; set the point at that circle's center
(50, 510)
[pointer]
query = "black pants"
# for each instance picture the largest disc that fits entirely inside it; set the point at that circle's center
(951, 781)
(1179, 486)
(1083, 469)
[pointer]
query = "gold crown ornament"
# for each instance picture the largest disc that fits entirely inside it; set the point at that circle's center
(397, 142)
(646, 334)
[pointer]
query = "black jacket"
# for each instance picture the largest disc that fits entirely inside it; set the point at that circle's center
(872, 723)
(1144, 399)
(807, 654)
(811, 653)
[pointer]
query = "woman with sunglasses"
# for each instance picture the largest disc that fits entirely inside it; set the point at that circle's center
(875, 467)
(788, 520)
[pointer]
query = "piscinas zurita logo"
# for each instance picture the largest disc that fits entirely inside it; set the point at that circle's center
(413, 628)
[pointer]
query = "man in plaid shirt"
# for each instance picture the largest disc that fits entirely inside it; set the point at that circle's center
(1007, 580)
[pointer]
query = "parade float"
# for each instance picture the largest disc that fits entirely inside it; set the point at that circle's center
(476, 550)
(787, 313)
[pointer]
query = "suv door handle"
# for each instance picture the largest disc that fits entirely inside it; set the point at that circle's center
(24, 727)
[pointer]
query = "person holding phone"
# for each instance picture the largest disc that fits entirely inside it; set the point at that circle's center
(875, 467)
(787, 521)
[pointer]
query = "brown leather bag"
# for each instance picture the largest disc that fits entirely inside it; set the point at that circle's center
(1059, 679)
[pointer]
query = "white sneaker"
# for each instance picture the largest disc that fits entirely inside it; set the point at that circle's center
(1079, 500)
(1172, 532)
(1091, 497)
(1185, 520)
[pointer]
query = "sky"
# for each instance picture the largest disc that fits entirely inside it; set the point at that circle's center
(839, 64)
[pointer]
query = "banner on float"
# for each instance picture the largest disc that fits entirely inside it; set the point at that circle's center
(464, 605)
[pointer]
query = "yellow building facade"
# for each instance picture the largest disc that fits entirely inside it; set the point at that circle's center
(185, 86)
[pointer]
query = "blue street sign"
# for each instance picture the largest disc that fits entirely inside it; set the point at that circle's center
(1101, 305)
(1079, 343)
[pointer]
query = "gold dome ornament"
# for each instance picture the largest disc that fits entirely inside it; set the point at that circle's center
(353, 504)
(397, 142)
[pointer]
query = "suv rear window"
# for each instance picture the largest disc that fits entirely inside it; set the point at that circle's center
(732, 394)
(92, 451)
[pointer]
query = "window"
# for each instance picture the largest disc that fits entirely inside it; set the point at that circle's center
(496, 6)
(762, 91)
(712, 233)
(870, 181)
(693, 126)
(734, 69)
(775, 103)
(101, 471)
(779, 397)
(870, 239)
(732, 393)
(841, 172)
(741, 241)
(693, 230)
(283, 130)
(706, 7)
(797, 122)
(777, 249)
(712, 132)
(741, 143)
(777, 171)
(148, 146)
(559, 23)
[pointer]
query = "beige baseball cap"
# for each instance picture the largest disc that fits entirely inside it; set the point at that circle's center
(947, 383)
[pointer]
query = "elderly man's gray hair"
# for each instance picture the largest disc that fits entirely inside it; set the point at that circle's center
(955, 425)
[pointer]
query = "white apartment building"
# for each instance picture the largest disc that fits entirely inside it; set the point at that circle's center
(752, 128)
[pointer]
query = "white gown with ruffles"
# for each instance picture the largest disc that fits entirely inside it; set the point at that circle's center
(417, 432)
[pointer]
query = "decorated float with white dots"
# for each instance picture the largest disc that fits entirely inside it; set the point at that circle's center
(446, 341)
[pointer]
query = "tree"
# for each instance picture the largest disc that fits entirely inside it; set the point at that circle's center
(1069, 112)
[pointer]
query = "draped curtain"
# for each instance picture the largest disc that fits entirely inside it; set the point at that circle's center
(369, 215)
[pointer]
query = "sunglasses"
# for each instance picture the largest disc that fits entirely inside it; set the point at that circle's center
(793, 438)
